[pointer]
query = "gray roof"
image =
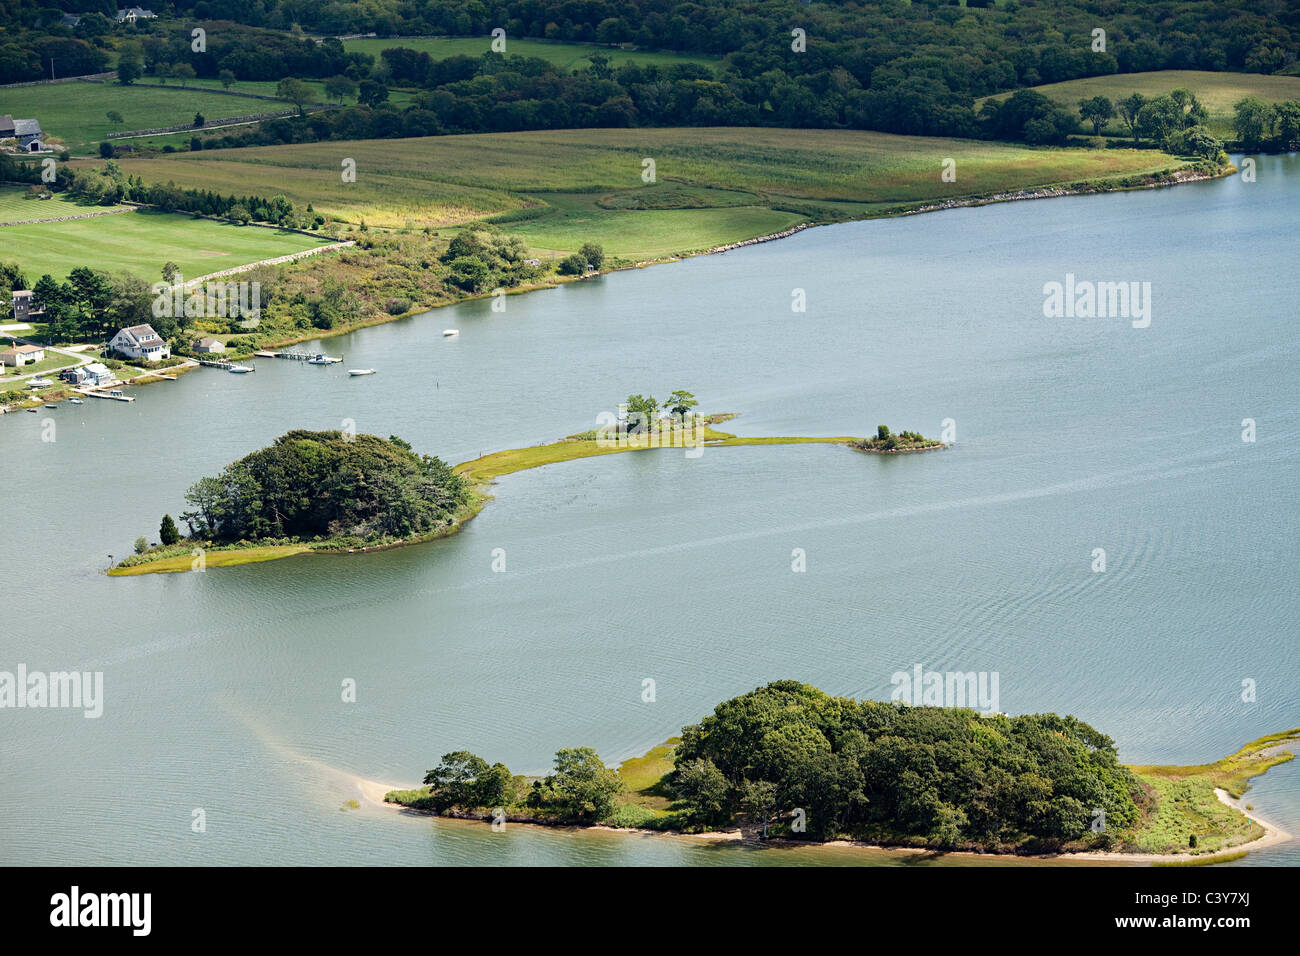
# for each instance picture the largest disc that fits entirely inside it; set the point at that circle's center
(27, 127)
(6, 123)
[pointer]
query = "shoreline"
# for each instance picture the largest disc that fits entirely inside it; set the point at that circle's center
(1273, 835)
(1178, 177)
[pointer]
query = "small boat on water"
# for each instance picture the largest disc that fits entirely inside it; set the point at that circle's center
(320, 358)
(240, 369)
(76, 401)
(450, 332)
(361, 371)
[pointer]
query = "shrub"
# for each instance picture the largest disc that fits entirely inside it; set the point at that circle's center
(574, 265)
(629, 815)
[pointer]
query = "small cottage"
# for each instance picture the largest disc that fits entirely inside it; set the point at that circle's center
(206, 346)
(21, 355)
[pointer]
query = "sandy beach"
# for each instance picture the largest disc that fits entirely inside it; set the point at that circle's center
(1273, 835)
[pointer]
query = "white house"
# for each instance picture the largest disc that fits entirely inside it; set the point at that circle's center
(21, 355)
(206, 346)
(140, 342)
(131, 14)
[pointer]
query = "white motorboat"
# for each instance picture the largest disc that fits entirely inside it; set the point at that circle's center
(361, 371)
(240, 369)
(451, 332)
(76, 401)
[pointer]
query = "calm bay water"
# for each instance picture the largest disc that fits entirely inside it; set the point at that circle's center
(223, 688)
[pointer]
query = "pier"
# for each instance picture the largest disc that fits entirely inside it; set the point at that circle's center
(317, 358)
(104, 393)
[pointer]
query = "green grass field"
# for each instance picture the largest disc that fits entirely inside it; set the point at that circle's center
(713, 185)
(567, 56)
(140, 242)
(1217, 91)
(75, 114)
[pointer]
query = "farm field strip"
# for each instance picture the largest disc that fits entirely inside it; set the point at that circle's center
(446, 180)
(141, 242)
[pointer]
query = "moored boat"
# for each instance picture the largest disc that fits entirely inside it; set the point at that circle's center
(361, 371)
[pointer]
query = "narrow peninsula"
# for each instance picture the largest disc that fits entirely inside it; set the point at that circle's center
(335, 493)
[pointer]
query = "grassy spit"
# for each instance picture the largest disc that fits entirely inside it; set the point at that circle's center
(481, 472)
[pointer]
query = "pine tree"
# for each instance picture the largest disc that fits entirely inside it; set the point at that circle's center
(167, 533)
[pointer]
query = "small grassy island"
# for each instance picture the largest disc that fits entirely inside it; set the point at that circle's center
(310, 491)
(885, 443)
(787, 760)
(327, 493)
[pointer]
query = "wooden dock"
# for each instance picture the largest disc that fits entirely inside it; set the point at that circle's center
(93, 393)
(296, 356)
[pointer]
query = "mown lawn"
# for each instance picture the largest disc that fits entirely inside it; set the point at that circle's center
(140, 242)
(15, 206)
(75, 114)
(1217, 91)
(53, 362)
(586, 184)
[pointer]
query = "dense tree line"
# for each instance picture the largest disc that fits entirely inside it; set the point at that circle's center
(904, 67)
(943, 776)
(496, 93)
(882, 770)
(110, 185)
(315, 485)
(1264, 126)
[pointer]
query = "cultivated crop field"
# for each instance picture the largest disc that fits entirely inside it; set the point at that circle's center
(567, 56)
(140, 242)
(1216, 91)
(588, 183)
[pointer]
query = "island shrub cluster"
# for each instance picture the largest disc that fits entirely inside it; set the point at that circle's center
(327, 485)
(886, 441)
